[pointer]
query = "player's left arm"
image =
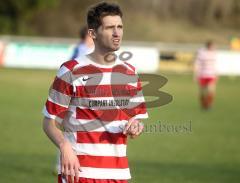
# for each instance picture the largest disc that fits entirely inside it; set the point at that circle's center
(135, 127)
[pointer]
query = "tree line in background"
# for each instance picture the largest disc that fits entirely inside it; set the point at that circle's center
(196, 11)
(64, 17)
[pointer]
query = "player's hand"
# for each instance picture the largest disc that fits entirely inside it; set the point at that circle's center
(70, 165)
(133, 128)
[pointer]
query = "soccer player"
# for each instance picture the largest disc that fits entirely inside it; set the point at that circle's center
(85, 46)
(205, 73)
(97, 101)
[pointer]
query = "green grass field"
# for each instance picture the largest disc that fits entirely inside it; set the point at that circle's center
(210, 153)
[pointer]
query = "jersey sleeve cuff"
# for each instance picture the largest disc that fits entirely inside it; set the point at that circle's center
(54, 117)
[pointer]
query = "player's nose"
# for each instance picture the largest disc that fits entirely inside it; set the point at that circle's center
(116, 32)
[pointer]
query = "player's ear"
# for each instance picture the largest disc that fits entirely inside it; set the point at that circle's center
(92, 33)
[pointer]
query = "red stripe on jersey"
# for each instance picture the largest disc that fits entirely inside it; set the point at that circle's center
(101, 138)
(90, 69)
(55, 109)
(62, 86)
(106, 91)
(103, 161)
(139, 85)
(132, 67)
(110, 114)
(70, 64)
(124, 70)
(141, 109)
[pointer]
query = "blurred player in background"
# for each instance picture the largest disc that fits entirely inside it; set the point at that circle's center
(85, 46)
(206, 75)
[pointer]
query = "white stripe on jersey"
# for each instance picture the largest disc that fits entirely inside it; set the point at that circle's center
(105, 173)
(105, 78)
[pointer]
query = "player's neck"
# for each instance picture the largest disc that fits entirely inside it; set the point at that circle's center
(102, 57)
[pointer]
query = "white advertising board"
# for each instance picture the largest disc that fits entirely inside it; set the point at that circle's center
(228, 63)
(51, 56)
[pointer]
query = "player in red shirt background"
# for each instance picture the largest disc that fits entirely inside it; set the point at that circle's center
(206, 74)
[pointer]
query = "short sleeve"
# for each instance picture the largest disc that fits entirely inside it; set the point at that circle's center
(60, 94)
(137, 106)
(140, 109)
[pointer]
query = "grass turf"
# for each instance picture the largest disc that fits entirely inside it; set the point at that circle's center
(209, 153)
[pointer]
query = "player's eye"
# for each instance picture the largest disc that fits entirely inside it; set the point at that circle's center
(120, 27)
(110, 27)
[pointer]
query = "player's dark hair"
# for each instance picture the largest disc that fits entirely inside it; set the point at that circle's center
(100, 10)
(209, 43)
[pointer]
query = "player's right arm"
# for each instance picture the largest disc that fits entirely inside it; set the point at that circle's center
(54, 111)
(69, 161)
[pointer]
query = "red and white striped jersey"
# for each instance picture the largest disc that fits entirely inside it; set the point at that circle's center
(206, 63)
(93, 103)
